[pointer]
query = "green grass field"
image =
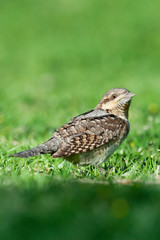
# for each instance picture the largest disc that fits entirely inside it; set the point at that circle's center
(57, 59)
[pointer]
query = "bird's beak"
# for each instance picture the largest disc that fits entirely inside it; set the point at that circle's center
(127, 97)
(131, 95)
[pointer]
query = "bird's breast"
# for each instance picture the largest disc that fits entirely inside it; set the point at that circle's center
(94, 157)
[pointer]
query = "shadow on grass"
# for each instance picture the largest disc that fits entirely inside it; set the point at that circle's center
(71, 210)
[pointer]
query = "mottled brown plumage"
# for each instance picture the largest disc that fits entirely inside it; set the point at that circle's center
(92, 137)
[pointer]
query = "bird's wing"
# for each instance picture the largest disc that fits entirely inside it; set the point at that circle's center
(79, 136)
(92, 113)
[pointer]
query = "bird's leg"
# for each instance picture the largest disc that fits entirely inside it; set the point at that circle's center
(102, 170)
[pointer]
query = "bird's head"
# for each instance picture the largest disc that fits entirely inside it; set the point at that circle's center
(116, 101)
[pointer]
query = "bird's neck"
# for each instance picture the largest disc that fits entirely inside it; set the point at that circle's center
(119, 112)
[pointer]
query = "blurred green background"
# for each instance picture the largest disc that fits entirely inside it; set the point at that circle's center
(57, 59)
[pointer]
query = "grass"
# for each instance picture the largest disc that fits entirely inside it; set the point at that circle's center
(57, 60)
(79, 211)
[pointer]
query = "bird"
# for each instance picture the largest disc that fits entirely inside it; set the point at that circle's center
(92, 137)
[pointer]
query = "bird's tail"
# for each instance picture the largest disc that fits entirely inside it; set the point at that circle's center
(51, 146)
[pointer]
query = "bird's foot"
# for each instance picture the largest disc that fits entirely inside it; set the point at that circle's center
(102, 170)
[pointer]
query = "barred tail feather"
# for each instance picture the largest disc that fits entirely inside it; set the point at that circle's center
(51, 146)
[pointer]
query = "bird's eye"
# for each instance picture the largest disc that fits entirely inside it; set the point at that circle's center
(113, 96)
